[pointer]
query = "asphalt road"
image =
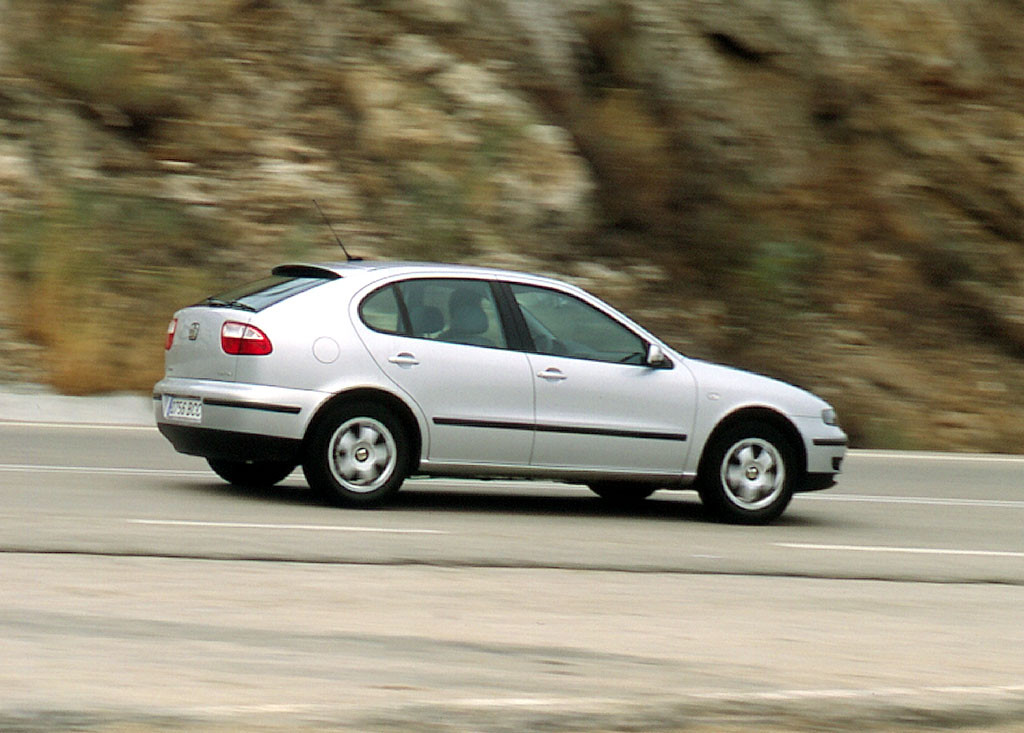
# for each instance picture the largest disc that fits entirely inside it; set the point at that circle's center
(137, 589)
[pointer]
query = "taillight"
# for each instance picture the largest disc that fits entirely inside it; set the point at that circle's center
(239, 338)
(171, 328)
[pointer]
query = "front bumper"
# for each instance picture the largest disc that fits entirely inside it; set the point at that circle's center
(825, 447)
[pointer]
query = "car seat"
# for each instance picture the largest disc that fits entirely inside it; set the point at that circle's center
(467, 319)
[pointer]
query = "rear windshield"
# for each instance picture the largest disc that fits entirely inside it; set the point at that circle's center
(256, 296)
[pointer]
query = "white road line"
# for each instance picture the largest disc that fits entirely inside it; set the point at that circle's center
(903, 550)
(117, 471)
(73, 425)
(28, 468)
(525, 702)
(922, 456)
(310, 527)
(880, 694)
(923, 500)
(855, 693)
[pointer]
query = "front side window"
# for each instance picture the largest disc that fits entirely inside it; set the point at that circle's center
(562, 325)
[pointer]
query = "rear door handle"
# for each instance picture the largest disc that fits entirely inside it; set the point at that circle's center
(552, 374)
(404, 359)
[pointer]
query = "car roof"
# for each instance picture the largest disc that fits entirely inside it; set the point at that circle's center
(385, 268)
(357, 267)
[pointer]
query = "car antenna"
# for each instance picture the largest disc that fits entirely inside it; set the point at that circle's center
(327, 221)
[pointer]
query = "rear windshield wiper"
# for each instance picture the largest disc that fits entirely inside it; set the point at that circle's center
(218, 302)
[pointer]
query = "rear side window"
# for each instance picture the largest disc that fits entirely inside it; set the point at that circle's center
(439, 309)
(457, 311)
(381, 312)
(256, 296)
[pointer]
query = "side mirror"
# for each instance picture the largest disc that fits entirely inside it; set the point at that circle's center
(656, 358)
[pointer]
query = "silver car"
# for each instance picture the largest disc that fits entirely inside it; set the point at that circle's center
(368, 372)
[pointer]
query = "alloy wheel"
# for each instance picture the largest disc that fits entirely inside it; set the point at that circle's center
(363, 454)
(753, 473)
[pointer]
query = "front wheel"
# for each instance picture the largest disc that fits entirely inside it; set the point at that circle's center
(251, 474)
(748, 473)
(357, 455)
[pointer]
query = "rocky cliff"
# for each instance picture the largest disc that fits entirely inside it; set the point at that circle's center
(829, 191)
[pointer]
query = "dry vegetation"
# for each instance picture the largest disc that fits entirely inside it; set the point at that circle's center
(832, 193)
(67, 262)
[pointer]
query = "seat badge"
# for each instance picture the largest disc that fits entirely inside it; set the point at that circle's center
(193, 331)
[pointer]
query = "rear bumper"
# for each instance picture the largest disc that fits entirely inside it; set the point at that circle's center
(241, 408)
(241, 422)
(230, 445)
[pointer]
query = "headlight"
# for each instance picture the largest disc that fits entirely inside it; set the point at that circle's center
(828, 416)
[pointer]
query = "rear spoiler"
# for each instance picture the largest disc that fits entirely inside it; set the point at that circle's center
(305, 271)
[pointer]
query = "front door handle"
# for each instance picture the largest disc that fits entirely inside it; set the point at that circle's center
(404, 359)
(552, 374)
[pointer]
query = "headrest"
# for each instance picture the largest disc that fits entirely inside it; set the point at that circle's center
(467, 313)
(426, 319)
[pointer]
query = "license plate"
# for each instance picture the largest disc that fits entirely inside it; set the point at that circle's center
(187, 409)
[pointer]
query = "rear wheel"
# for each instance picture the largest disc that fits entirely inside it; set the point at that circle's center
(622, 492)
(253, 474)
(748, 474)
(357, 455)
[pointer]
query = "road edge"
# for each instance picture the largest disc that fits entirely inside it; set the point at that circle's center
(38, 405)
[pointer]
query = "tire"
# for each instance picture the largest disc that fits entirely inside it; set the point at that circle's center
(356, 455)
(748, 473)
(622, 493)
(251, 474)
